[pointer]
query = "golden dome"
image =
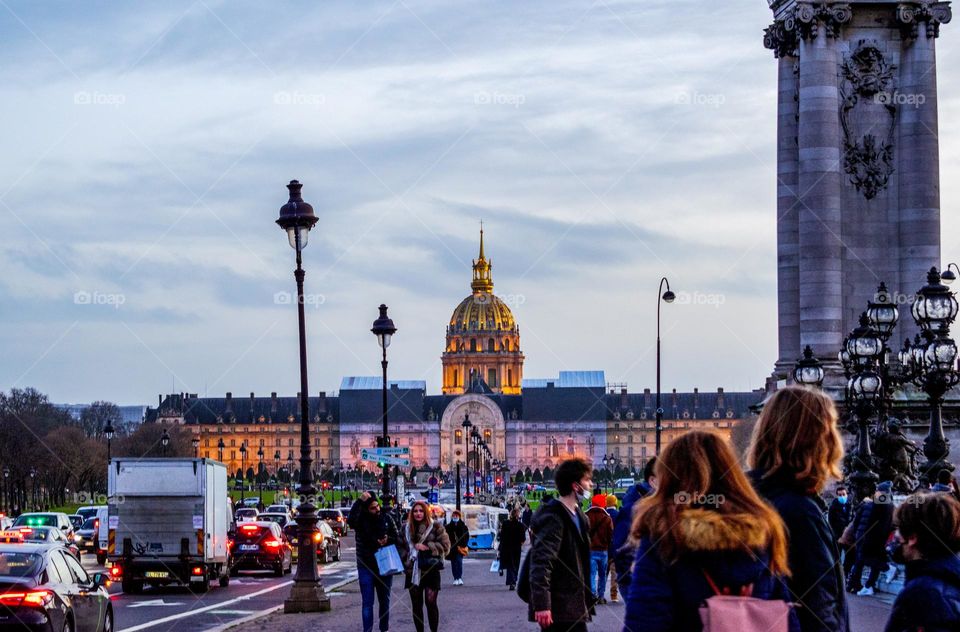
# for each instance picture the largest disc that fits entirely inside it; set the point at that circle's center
(482, 310)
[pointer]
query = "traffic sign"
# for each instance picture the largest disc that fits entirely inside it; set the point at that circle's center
(372, 456)
(434, 496)
(387, 451)
(433, 481)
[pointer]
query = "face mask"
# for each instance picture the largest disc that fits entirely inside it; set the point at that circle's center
(896, 553)
(582, 493)
(455, 520)
(842, 500)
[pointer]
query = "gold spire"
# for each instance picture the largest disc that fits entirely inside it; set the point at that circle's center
(482, 280)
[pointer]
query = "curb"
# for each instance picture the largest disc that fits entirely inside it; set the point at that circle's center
(269, 611)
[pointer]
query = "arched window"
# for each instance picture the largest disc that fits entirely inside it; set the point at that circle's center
(473, 344)
(509, 377)
(456, 375)
(506, 344)
(491, 346)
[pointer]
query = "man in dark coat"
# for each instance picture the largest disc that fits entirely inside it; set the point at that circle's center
(623, 550)
(512, 536)
(560, 596)
(817, 578)
(839, 515)
(373, 530)
(927, 542)
(459, 538)
(874, 524)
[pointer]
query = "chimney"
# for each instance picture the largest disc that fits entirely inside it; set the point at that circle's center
(647, 403)
(721, 403)
(674, 400)
(696, 401)
(623, 398)
(273, 406)
(159, 399)
(229, 408)
(322, 404)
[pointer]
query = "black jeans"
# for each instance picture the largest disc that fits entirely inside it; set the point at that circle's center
(417, 597)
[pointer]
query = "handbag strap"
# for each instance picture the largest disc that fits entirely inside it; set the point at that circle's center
(745, 591)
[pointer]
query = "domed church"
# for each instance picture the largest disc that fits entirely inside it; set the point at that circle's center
(483, 340)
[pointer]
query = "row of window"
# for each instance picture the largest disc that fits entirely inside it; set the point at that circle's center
(474, 346)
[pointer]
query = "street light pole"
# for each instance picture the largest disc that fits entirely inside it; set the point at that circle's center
(220, 446)
(383, 329)
(662, 297)
(164, 441)
(260, 472)
(196, 446)
(243, 469)
(108, 433)
(307, 595)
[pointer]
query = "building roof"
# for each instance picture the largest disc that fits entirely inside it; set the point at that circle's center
(375, 383)
(569, 379)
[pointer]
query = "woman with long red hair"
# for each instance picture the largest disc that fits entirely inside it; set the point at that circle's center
(703, 531)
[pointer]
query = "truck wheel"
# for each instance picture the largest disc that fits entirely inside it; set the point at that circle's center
(131, 587)
(224, 580)
(101, 558)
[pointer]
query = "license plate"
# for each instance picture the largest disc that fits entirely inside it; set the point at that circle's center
(249, 547)
(156, 574)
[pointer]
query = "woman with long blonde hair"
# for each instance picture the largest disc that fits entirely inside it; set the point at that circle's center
(703, 531)
(795, 451)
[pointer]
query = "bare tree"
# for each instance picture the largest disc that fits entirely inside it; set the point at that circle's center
(95, 418)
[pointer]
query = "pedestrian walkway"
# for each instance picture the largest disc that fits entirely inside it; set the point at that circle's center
(482, 603)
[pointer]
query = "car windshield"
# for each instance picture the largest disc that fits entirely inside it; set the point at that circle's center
(278, 518)
(329, 514)
(87, 512)
(18, 564)
(246, 512)
(89, 523)
(36, 520)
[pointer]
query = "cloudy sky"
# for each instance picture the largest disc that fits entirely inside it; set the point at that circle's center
(604, 144)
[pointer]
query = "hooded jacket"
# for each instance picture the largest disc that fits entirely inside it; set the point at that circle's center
(816, 580)
(369, 529)
(731, 548)
(601, 529)
(930, 599)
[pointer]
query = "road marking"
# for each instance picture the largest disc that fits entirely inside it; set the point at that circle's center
(175, 617)
(268, 611)
(231, 611)
(154, 602)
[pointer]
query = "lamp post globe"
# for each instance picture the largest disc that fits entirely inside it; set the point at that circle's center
(164, 441)
(808, 371)
(108, 434)
(195, 442)
(882, 313)
(934, 304)
(307, 595)
(220, 446)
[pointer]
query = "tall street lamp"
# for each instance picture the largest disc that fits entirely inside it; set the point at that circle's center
(164, 441)
(220, 446)
(383, 329)
(195, 442)
(467, 426)
(662, 297)
(260, 472)
(307, 594)
(6, 487)
(108, 433)
(243, 469)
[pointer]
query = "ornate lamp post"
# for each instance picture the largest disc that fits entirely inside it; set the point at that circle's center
(467, 427)
(931, 364)
(164, 441)
(243, 469)
(662, 297)
(108, 433)
(195, 442)
(383, 329)
(860, 355)
(276, 469)
(809, 371)
(220, 446)
(307, 595)
(883, 316)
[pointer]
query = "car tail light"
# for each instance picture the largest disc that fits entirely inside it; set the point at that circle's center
(249, 528)
(197, 570)
(271, 544)
(35, 598)
(115, 571)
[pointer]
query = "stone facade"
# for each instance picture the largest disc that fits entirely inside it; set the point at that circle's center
(858, 198)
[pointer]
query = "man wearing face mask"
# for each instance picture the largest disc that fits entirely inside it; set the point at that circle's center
(560, 595)
(927, 541)
(839, 516)
(459, 537)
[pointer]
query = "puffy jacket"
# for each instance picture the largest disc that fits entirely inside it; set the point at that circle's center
(816, 580)
(623, 550)
(930, 599)
(560, 564)
(874, 524)
(601, 529)
(436, 540)
(368, 530)
(731, 549)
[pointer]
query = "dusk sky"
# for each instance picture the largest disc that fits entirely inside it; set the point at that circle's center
(603, 144)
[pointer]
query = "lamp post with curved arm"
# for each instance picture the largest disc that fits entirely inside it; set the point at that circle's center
(662, 297)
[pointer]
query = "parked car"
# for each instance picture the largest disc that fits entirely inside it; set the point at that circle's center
(87, 534)
(261, 546)
(43, 588)
(246, 514)
(281, 518)
(76, 521)
(251, 501)
(334, 518)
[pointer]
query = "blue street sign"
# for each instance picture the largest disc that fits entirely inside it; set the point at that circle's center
(434, 496)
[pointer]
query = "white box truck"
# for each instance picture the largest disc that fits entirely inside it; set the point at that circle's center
(168, 522)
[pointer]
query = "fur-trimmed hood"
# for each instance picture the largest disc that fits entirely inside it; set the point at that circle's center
(703, 530)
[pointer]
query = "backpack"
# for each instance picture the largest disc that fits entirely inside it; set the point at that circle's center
(725, 612)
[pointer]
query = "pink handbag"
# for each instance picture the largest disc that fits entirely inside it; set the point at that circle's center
(723, 612)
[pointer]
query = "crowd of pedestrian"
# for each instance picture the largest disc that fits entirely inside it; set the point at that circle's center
(700, 543)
